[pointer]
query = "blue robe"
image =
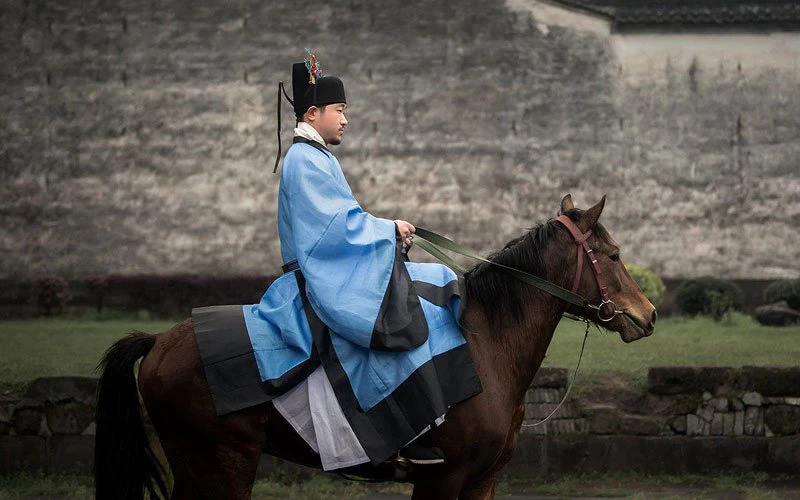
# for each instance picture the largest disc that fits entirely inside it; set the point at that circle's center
(384, 329)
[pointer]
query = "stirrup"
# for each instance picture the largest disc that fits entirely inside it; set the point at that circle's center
(402, 469)
(418, 455)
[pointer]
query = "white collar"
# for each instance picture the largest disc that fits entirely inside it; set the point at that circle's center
(303, 129)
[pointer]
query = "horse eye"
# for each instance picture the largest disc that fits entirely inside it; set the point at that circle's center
(614, 257)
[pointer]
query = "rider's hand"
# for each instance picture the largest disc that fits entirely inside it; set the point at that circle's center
(406, 231)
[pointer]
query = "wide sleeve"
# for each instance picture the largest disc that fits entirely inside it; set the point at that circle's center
(355, 279)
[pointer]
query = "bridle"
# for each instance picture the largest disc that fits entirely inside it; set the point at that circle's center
(607, 310)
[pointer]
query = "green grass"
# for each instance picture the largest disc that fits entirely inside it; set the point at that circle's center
(752, 486)
(37, 486)
(59, 346)
(68, 346)
(736, 341)
(638, 486)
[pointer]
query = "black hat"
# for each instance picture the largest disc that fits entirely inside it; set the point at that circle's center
(309, 90)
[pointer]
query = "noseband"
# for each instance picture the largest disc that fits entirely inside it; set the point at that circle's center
(607, 309)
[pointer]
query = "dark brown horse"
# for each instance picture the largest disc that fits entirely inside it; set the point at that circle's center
(508, 326)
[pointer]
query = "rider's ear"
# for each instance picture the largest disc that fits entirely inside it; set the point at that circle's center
(566, 204)
(590, 216)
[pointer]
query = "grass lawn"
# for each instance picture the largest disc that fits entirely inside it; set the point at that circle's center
(69, 346)
(59, 346)
(322, 487)
(677, 341)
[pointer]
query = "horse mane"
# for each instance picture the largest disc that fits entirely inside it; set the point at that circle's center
(502, 296)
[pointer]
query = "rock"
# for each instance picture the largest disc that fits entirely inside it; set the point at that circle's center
(716, 425)
(707, 396)
(57, 389)
(603, 419)
(769, 381)
(777, 314)
(664, 405)
(706, 413)
(738, 423)
(753, 421)
(768, 432)
(694, 425)
(679, 380)
(90, 430)
(551, 377)
(719, 404)
(728, 421)
(679, 424)
(544, 395)
(564, 426)
(737, 404)
(69, 418)
(538, 411)
(752, 399)
(783, 419)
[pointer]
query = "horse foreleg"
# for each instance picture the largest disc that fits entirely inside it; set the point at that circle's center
(479, 491)
(447, 487)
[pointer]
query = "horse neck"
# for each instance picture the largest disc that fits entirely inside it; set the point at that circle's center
(520, 348)
(515, 350)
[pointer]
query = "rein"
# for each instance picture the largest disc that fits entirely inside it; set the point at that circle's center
(433, 243)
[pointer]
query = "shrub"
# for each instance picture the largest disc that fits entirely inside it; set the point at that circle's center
(50, 294)
(708, 296)
(788, 290)
(652, 286)
(97, 285)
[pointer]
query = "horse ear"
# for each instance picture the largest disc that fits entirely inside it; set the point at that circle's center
(566, 204)
(591, 215)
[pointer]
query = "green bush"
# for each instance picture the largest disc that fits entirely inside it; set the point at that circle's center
(50, 294)
(708, 296)
(788, 290)
(652, 286)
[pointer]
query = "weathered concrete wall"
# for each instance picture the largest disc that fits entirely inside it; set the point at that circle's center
(138, 137)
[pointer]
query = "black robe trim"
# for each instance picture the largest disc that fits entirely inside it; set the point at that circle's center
(401, 324)
(416, 403)
(230, 365)
(302, 140)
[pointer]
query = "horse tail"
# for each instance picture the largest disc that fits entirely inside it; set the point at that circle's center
(124, 463)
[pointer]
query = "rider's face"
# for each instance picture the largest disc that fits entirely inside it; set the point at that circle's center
(329, 121)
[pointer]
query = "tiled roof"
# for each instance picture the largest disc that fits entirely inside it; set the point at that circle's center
(708, 12)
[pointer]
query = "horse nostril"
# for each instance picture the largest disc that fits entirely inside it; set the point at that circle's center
(654, 317)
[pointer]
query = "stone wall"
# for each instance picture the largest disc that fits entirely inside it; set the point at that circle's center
(695, 420)
(137, 137)
(750, 401)
(51, 429)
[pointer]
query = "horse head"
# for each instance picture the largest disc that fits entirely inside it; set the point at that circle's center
(600, 276)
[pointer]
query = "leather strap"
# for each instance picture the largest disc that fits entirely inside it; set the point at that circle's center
(429, 241)
(581, 240)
